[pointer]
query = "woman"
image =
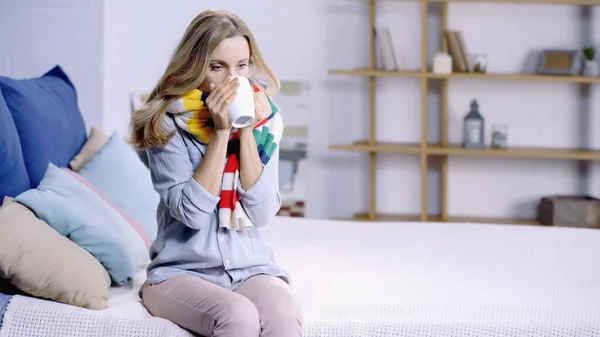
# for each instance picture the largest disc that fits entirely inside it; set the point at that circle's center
(211, 272)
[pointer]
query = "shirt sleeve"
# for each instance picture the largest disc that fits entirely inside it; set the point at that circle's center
(262, 200)
(173, 178)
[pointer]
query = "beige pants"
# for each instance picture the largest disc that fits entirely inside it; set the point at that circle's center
(261, 306)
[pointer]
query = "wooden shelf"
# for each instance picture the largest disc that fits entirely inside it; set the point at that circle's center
(424, 150)
(517, 152)
(379, 147)
(534, 2)
(437, 218)
(469, 76)
(375, 72)
(516, 77)
(457, 150)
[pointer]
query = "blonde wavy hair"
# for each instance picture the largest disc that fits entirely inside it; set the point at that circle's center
(187, 70)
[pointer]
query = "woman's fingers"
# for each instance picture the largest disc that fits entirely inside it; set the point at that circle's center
(224, 102)
(221, 93)
(263, 108)
(258, 110)
(210, 97)
(217, 89)
(228, 96)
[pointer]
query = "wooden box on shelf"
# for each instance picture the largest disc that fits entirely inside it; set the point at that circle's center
(570, 211)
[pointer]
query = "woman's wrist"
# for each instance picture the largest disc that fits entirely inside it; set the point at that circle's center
(246, 131)
(221, 135)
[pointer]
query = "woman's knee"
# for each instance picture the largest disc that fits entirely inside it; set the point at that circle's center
(239, 315)
(282, 324)
(203, 308)
(279, 310)
(283, 318)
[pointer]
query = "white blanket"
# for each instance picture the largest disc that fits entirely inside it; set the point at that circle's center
(426, 279)
(36, 318)
(126, 317)
(391, 279)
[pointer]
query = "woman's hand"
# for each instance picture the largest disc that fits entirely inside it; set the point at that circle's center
(219, 99)
(261, 105)
(262, 109)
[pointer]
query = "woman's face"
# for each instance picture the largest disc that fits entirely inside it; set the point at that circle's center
(231, 57)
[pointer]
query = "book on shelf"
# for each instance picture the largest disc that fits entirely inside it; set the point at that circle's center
(461, 59)
(387, 57)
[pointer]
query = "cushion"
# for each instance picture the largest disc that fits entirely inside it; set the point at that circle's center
(134, 224)
(41, 262)
(13, 174)
(92, 146)
(119, 173)
(47, 118)
(76, 212)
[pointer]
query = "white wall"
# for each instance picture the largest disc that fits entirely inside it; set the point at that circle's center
(36, 35)
(302, 40)
(140, 37)
(537, 114)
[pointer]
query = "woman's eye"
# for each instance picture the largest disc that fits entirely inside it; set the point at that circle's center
(216, 67)
(242, 66)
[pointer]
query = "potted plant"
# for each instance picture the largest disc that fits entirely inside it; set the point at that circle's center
(590, 67)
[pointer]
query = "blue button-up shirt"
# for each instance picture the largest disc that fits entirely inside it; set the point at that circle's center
(189, 239)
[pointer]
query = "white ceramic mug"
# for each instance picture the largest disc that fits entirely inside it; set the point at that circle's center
(241, 111)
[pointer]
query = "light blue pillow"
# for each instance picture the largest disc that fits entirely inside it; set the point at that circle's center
(119, 173)
(75, 211)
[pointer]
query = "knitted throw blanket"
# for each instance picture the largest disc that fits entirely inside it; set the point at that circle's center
(191, 114)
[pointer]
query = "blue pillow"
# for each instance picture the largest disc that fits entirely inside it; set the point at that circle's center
(75, 211)
(13, 174)
(118, 172)
(47, 118)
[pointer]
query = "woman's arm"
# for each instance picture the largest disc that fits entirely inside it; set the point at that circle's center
(250, 165)
(259, 190)
(210, 170)
(190, 195)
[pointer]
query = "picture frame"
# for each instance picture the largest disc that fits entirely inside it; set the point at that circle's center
(564, 62)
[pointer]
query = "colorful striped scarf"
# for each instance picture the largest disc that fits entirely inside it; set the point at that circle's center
(191, 114)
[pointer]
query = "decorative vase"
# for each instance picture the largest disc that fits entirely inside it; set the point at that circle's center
(590, 68)
(480, 65)
(442, 63)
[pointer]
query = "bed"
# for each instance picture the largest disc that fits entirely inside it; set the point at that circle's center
(396, 279)
(353, 279)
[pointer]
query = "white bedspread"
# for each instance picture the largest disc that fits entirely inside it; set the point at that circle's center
(126, 317)
(425, 279)
(391, 279)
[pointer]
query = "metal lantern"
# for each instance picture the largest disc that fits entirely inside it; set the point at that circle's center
(473, 128)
